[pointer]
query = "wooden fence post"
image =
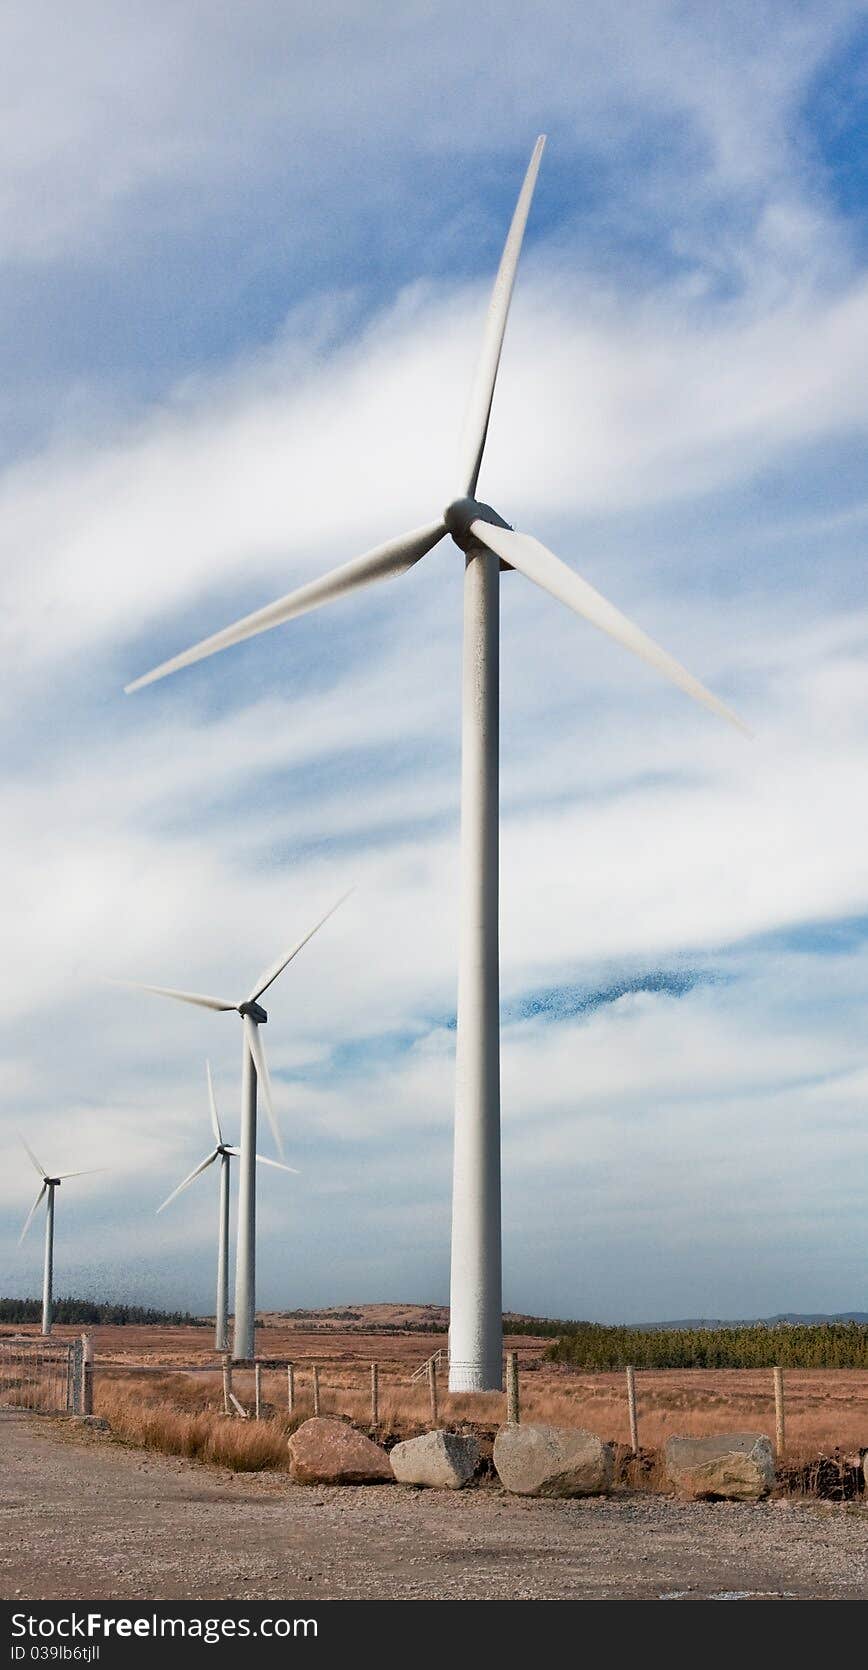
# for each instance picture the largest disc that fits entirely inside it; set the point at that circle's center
(375, 1395)
(432, 1388)
(290, 1389)
(631, 1409)
(257, 1382)
(227, 1383)
(780, 1433)
(316, 1388)
(513, 1413)
(87, 1374)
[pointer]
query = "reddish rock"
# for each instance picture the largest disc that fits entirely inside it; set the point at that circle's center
(327, 1451)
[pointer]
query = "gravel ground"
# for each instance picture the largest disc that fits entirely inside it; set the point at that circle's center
(85, 1518)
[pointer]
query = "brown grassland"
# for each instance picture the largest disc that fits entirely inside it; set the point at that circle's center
(161, 1388)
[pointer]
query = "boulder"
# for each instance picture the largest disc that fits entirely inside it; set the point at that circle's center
(327, 1451)
(443, 1460)
(736, 1466)
(552, 1461)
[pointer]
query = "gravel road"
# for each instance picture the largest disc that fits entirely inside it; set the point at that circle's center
(84, 1518)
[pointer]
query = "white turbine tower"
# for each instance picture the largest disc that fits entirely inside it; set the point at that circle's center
(253, 1068)
(49, 1184)
(222, 1152)
(488, 544)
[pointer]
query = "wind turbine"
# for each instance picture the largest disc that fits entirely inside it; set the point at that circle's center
(49, 1184)
(488, 544)
(223, 1152)
(253, 1068)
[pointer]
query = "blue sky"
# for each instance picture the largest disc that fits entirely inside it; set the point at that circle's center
(244, 265)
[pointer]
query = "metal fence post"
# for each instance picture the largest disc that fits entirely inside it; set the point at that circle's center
(257, 1381)
(290, 1389)
(316, 1388)
(432, 1388)
(375, 1395)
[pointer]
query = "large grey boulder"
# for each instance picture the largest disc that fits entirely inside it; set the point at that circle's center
(552, 1461)
(443, 1460)
(735, 1466)
(326, 1451)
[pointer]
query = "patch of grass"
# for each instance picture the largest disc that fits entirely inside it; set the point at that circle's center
(143, 1414)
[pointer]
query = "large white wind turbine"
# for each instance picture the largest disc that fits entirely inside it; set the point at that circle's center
(489, 544)
(253, 1068)
(222, 1152)
(49, 1184)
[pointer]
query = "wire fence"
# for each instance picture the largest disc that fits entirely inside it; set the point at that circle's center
(42, 1374)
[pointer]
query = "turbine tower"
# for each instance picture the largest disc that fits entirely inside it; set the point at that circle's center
(254, 1069)
(222, 1152)
(488, 545)
(49, 1184)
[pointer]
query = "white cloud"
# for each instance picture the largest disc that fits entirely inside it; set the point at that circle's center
(165, 112)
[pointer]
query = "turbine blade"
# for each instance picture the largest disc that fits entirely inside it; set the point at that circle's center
(38, 1168)
(30, 1216)
(532, 559)
(395, 557)
(215, 1120)
(91, 1172)
(270, 975)
(478, 412)
(188, 1180)
(261, 1160)
(254, 1044)
(182, 997)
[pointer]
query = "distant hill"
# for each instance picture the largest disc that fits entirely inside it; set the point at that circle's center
(793, 1319)
(394, 1317)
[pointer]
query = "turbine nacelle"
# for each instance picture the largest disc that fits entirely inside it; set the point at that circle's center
(460, 515)
(254, 1010)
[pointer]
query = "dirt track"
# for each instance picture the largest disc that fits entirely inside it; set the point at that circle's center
(85, 1519)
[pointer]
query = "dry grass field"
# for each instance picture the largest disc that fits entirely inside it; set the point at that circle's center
(161, 1388)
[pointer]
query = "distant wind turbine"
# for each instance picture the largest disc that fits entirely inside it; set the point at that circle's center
(223, 1153)
(253, 1068)
(488, 544)
(49, 1184)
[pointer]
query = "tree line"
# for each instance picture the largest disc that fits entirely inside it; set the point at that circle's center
(591, 1345)
(18, 1311)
